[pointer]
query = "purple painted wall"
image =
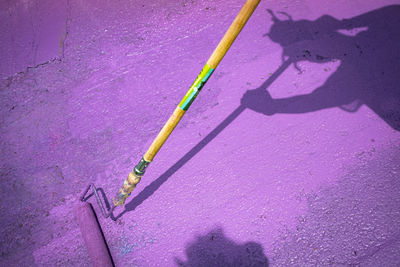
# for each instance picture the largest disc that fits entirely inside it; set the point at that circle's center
(307, 174)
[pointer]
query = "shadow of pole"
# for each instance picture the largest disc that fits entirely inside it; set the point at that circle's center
(151, 188)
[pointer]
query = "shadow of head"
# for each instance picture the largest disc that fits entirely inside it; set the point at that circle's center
(367, 48)
(215, 249)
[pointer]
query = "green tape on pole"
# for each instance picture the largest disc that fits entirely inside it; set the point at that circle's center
(196, 87)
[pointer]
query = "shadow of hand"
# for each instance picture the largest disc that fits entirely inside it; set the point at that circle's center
(260, 101)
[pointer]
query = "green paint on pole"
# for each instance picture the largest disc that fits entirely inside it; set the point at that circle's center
(196, 87)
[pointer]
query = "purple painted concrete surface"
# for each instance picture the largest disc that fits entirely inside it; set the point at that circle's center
(307, 174)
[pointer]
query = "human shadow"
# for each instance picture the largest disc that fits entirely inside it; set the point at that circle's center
(215, 249)
(368, 48)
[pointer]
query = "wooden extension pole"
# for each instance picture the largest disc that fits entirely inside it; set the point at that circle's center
(212, 63)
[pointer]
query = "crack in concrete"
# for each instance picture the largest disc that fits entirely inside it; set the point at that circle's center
(64, 36)
(35, 46)
(10, 78)
(372, 251)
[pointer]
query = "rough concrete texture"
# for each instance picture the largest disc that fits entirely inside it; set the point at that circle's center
(307, 174)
